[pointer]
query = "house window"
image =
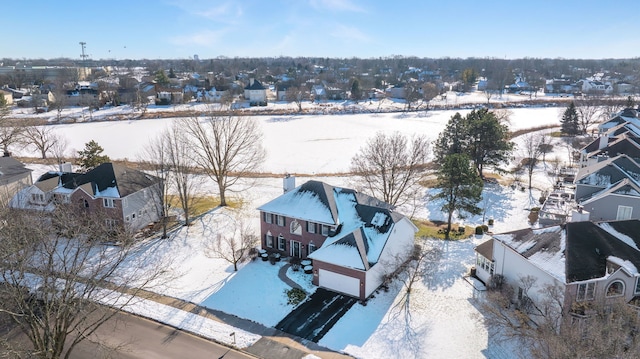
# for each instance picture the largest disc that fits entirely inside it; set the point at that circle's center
(615, 289)
(133, 216)
(311, 227)
(295, 228)
(311, 248)
(268, 238)
(624, 212)
(108, 202)
(85, 203)
(485, 264)
(586, 291)
(268, 218)
(280, 220)
(281, 243)
(37, 197)
(127, 218)
(324, 230)
(110, 223)
(637, 285)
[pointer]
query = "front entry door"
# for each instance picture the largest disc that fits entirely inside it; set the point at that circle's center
(295, 249)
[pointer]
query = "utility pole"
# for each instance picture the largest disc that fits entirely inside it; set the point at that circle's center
(83, 58)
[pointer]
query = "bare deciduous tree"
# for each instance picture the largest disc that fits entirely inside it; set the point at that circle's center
(390, 167)
(60, 282)
(296, 95)
(231, 237)
(43, 138)
(588, 113)
(545, 328)
(10, 129)
(226, 148)
(531, 153)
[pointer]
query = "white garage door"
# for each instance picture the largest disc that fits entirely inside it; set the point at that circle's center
(339, 282)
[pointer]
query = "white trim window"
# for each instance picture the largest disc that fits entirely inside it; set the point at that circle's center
(268, 217)
(324, 230)
(295, 228)
(311, 248)
(280, 220)
(311, 227)
(282, 244)
(268, 238)
(624, 212)
(485, 264)
(586, 291)
(110, 223)
(108, 203)
(37, 197)
(615, 289)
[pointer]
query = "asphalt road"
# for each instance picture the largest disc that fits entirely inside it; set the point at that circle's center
(137, 338)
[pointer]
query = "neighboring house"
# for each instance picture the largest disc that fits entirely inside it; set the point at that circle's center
(595, 87)
(353, 239)
(125, 197)
(255, 93)
(589, 262)
(8, 96)
(608, 190)
(14, 176)
(628, 115)
(397, 91)
(281, 91)
(169, 97)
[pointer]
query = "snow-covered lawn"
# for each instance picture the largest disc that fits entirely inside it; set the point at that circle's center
(445, 321)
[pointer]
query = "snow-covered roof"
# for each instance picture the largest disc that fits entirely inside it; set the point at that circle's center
(578, 251)
(364, 224)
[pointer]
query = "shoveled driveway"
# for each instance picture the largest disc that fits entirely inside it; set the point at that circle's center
(319, 313)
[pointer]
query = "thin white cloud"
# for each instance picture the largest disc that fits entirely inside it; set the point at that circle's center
(336, 5)
(201, 38)
(349, 33)
(226, 12)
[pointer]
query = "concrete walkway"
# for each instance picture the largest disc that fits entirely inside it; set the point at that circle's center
(282, 274)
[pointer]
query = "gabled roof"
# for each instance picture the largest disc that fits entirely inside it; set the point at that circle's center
(609, 171)
(363, 223)
(11, 170)
(578, 251)
(254, 85)
(625, 187)
(106, 180)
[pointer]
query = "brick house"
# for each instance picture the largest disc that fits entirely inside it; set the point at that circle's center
(124, 197)
(353, 239)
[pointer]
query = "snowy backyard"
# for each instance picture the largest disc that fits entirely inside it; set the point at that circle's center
(445, 320)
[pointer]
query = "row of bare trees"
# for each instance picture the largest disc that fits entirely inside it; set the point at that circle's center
(60, 282)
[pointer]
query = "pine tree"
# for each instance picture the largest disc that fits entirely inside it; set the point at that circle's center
(356, 91)
(91, 156)
(459, 187)
(570, 122)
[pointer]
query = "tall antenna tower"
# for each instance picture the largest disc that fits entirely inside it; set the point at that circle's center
(83, 57)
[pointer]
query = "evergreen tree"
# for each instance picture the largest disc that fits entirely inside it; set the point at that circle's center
(91, 156)
(161, 78)
(453, 139)
(459, 187)
(629, 103)
(356, 91)
(488, 140)
(479, 135)
(172, 75)
(570, 122)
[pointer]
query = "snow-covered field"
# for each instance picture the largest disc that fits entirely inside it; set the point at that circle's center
(445, 321)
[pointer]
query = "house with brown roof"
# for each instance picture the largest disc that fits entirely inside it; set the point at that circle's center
(124, 197)
(589, 262)
(353, 239)
(14, 176)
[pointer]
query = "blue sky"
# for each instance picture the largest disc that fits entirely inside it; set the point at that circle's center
(178, 29)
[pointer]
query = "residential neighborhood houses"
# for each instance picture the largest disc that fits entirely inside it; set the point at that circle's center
(126, 198)
(348, 242)
(589, 248)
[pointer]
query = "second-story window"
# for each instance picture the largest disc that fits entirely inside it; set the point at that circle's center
(311, 227)
(280, 220)
(108, 202)
(268, 218)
